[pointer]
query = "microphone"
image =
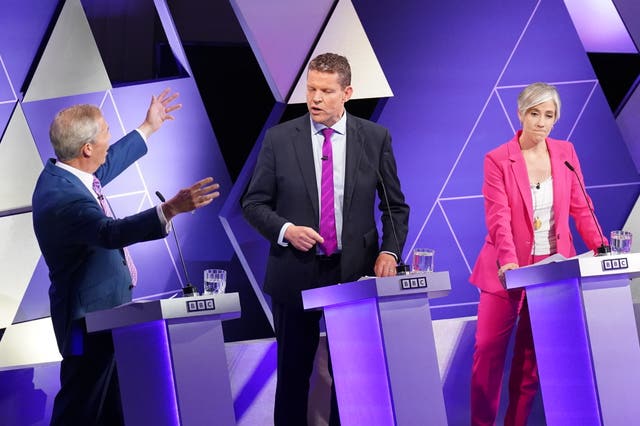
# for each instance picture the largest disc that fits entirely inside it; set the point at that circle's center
(187, 290)
(603, 249)
(324, 158)
(402, 268)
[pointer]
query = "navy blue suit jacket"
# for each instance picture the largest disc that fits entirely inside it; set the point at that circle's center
(82, 246)
(283, 189)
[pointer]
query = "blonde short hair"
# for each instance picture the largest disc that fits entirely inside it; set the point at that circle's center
(537, 93)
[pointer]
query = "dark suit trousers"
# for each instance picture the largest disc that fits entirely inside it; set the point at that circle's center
(89, 392)
(297, 335)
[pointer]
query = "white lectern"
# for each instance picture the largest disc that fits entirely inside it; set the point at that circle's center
(172, 365)
(585, 338)
(382, 348)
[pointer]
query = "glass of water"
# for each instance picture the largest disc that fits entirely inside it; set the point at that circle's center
(621, 241)
(215, 281)
(422, 260)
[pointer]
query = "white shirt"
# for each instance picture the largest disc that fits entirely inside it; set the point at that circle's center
(544, 238)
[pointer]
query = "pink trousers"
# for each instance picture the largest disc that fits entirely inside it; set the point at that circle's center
(498, 313)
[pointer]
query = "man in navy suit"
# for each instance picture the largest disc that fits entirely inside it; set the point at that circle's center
(84, 248)
(283, 203)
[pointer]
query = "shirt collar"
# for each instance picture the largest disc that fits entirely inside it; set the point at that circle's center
(85, 178)
(339, 127)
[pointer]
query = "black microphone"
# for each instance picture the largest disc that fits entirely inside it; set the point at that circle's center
(324, 158)
(187, 290)
(402, 268)
(603, 249)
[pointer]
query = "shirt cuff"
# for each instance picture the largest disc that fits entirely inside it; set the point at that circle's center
(163, 220)
(391, 253)
(142, 135)
(281, 240)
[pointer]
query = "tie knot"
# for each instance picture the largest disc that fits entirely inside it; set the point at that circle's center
(96, 186)
(327, 132)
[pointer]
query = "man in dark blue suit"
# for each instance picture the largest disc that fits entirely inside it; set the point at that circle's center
(284, 203)
(84, 248)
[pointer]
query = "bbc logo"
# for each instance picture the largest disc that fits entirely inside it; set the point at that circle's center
(615, 264)
(201, 305)
(413, 283)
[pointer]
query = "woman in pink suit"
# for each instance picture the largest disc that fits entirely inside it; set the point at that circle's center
(529, 194)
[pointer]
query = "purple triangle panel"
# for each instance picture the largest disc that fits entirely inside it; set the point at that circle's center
(181, 153)
(612, 206)
(6, 91)
(6, 110)
(466, 217)
(129, 181)
(438, 236)
(629, 11)
(604, 156)
(550, 49)
(22, 27)
(40, 114)
(35, 302)
(492, 130)
(282, 34)
(172, 35)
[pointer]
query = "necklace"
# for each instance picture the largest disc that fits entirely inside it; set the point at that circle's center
(537, 222)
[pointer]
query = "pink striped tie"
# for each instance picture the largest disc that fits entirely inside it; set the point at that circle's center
(97, 187)
(327, 211)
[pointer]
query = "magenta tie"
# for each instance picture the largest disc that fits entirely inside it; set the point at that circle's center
(327, 210)
(97, 187)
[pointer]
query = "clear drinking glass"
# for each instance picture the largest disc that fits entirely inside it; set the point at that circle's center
(621, 241)
(215, 281)
(422, 260)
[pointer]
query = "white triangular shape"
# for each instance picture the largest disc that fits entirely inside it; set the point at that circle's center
(345, 35)
(19, 255)
(20, 164)
(71, 63)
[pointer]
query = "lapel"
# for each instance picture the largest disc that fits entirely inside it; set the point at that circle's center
(521, 177)
(303, 147)
(354, 151)
(558, 171)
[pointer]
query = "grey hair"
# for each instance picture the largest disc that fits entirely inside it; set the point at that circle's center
(72, 128)
(537, 93)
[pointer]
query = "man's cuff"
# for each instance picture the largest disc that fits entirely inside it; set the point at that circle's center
(163, 220)
(391, 253)
(142, 135)
(281, 240)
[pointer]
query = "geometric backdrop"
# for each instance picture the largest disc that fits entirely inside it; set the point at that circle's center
(442, 76)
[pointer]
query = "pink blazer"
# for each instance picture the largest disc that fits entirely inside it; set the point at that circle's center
(509, 209)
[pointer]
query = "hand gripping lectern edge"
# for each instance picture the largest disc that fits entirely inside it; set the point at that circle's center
(171, 361)
(382, 348)
(585, 338)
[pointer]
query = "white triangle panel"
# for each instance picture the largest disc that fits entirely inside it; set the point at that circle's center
(345, 36)
(28, 344)
(71, 63)
(19, 255)
(20, 164)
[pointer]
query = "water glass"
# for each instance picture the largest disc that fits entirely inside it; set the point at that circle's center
(621, 241)
(422, 260)
(215, 281)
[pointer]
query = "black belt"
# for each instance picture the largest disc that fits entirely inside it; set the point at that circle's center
(325, 258)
